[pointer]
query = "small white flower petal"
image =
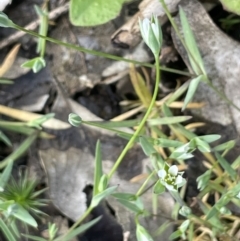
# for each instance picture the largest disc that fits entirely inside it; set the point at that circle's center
(170, 187)
(173, 170)
(180, 181)
(145, 25)
(162, 174)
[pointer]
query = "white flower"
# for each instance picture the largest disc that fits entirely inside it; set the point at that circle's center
(171, 178)
(151, 33)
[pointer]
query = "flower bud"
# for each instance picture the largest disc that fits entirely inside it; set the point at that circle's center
(151, 33)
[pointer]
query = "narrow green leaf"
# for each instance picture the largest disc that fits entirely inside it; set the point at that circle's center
(204, 179)
(35, 64)
(236, 163)
(6, 231)
(181, 156)
(130, 205)
(98, 168)
(183, 227)
(127, 136)
(5, 22)
(225, 146)
(79, 230)
(209, 138)
(39, 121)
(194, 55)
(103, 183)
(6, 82)
(20, 127)
(100, 196)
(5, 175)
(158, 188)
(52, 229)
(162, 228)
(166, 111)
(168, 120)
(168, 143)
(178, 93)
(139, 203)
(191, 90)
(102, 125)
(191, 231)
(124, 196)
(175, 235)
(142, 234)
(202, 146)
(39, 11)
(146, 146)
(226, 166)
(19, 151)
(213, 212)
(5, 139)
(23, 215)
(114, 124)
(15, 230)
(34, 237)
(182, 130)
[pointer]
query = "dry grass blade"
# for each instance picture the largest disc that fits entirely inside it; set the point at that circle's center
(9, 60)
(140, 87)
(128, 114)
(28, 116)
(191, 105)
(193, 126)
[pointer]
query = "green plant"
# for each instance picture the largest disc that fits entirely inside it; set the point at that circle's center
(17, 201)
(220, 180)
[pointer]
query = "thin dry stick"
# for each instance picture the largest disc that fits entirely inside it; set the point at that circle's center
(33, 25)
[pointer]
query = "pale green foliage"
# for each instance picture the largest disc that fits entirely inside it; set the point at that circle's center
(95, 12)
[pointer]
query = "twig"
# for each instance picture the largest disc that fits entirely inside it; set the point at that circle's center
(33, 25)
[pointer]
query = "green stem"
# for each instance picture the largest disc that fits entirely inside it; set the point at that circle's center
(97, 53)
(141, 125)
(140, 191)
(43, 31)
(79, 221)
(20, 150)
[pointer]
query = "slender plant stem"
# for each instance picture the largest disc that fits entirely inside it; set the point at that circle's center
(44, 30)
(97, 53)
(141, 125)
(140, 191)
(20, 150)
(79, 221)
